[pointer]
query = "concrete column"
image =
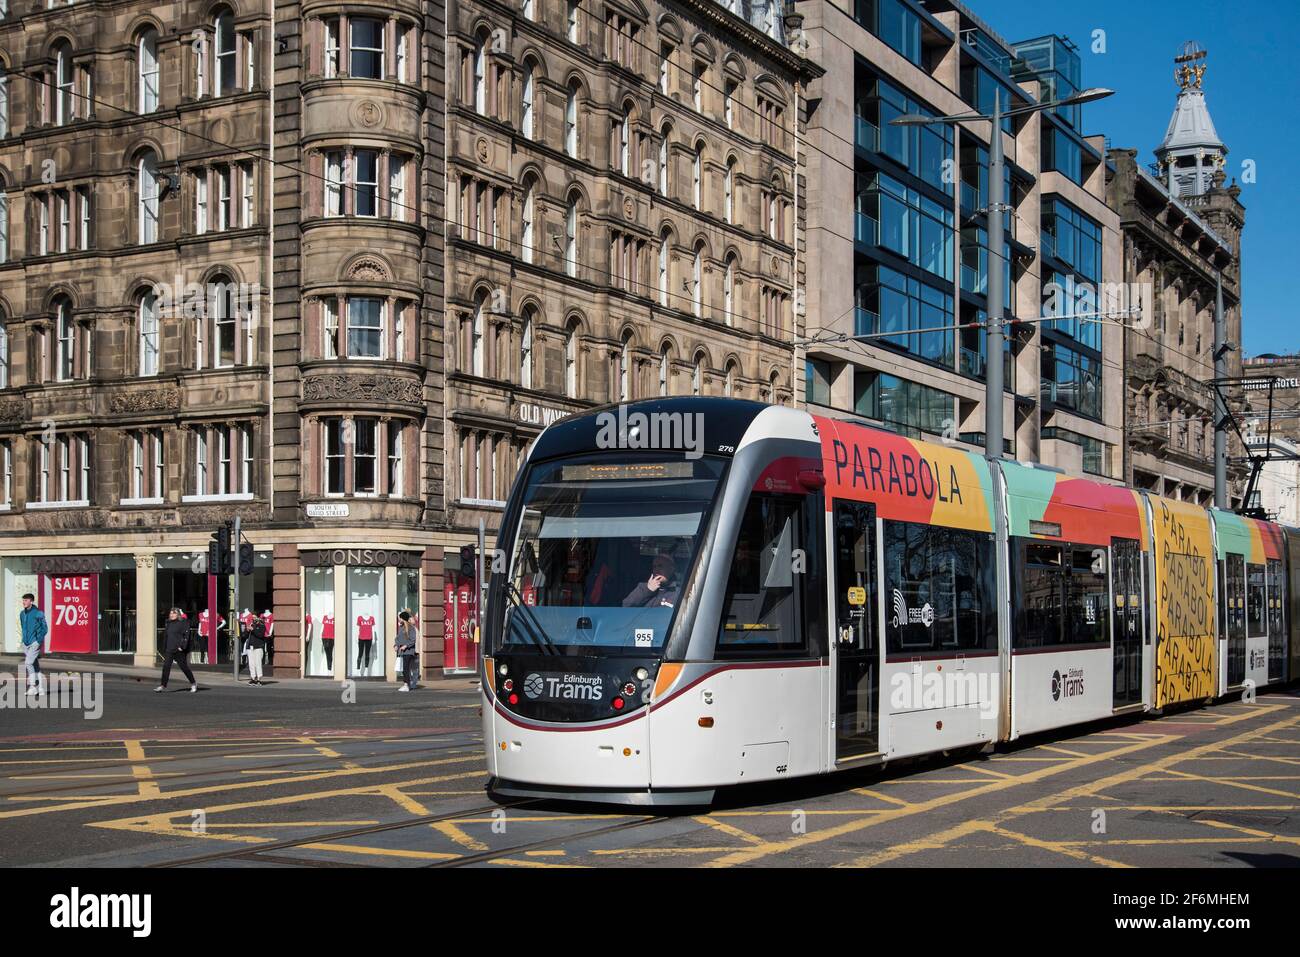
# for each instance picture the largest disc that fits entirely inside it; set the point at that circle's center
(146, 611)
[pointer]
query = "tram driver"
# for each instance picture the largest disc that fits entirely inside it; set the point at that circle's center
(660, 589)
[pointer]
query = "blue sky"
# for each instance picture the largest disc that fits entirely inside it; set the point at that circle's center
(1252, 88)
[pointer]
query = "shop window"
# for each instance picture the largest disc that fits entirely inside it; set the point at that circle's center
(319, 625)
(366, 622)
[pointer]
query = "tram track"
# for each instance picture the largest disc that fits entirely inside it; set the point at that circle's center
(128, 781)
(331, 837)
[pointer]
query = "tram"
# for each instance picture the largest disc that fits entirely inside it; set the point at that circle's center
(702, 592)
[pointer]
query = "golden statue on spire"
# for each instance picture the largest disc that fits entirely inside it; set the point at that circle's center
(1188, 69)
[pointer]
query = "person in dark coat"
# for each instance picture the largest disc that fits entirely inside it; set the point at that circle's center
(176, 646)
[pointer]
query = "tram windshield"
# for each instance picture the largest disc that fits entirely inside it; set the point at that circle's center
(602, 550)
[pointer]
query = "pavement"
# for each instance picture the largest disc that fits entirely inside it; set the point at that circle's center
(307, 774)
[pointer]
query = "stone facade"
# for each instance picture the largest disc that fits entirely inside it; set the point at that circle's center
(624, 219)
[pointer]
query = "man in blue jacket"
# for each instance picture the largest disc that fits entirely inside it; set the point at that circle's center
(34, 630)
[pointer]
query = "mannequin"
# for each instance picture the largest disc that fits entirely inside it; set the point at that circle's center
(327, 641)
(365, 641)
(268, 624)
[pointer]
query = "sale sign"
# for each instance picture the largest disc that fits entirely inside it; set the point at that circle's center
(459, 611)
(72, 609)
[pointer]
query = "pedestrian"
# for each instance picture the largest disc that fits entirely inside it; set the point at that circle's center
(256, 648)
(406, 645)
(176, 648)
(34, 630)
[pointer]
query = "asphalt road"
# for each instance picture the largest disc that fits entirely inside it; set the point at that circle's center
(291, 774)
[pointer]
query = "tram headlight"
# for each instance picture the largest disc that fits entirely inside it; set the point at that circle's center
(642, 674)
(502, 669)
(618, 704)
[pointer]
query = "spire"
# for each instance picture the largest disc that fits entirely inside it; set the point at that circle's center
(1191, 151)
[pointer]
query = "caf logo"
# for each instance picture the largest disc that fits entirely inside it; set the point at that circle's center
(1056, 686)
(533, 686)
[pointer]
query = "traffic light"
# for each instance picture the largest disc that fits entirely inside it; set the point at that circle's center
(245, 558)
(219, 552)
(468, 562)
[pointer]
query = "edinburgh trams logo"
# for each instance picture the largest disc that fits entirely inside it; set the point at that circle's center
(910, 616)
(565, 687)
(1069, 685)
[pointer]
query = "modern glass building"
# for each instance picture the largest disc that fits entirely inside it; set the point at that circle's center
(898, 287)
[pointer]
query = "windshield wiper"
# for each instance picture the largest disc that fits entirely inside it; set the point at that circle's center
(537, 634)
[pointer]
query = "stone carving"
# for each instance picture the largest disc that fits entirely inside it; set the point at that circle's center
(368, 113)
(482, 149)
(219, 514)
(629, 208)
(366, 388)
(368, 269)
(152, 400)
(13, 410)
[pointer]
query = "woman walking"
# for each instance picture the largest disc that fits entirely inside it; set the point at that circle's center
(256, 648)
(406, 645)
(176, 647)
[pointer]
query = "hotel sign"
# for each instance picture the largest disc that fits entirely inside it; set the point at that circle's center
(1261, 385)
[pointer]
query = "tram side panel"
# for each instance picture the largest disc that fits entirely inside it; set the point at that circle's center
(939, 673)
(1186, 652)
(1293, 603)
(1251, 576)
(1076, 548)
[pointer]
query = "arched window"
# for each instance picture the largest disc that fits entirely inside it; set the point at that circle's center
(526, 350)
(65, 341)
(697, 280)
(697, 177)
(528, 238)
(697, 375)
(223, 28)
(4, 103)
(4, 222)
(664, 135)
(147, 65)
(571, 237)
(665, 368)
(571, 120)
(147, 326)
(478, 340)
(528, 121)
(225, 322)
(729, 192)
(625, 368)
(147, 189)
(480, 76)
(625, 142)
(729, 383)
(64, 84)
(571, 361)
(729, 292)
(664, 241)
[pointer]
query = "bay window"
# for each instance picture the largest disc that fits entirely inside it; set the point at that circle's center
(363, 456)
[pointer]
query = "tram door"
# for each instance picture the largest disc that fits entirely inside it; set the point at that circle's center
(1129, 624)
(1234, 616)
(857, 667)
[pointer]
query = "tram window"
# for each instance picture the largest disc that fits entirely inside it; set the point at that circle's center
(1276, 596)
(940, 589)
(1087, 598)
(1255, 594)
(1040, 586)
(767, 591)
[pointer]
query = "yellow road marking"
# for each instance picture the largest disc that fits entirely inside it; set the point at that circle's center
(1281, 839)
(748, 855)
(1082, 790)
(982, 770)
(731, 829)
(887, 798)
(1057, 848)
(1234, 784)
(452, 831)
(382, 851)
(1050, 747)
(147, 787)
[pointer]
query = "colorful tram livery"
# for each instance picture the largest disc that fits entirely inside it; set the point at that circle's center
(705, 592)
